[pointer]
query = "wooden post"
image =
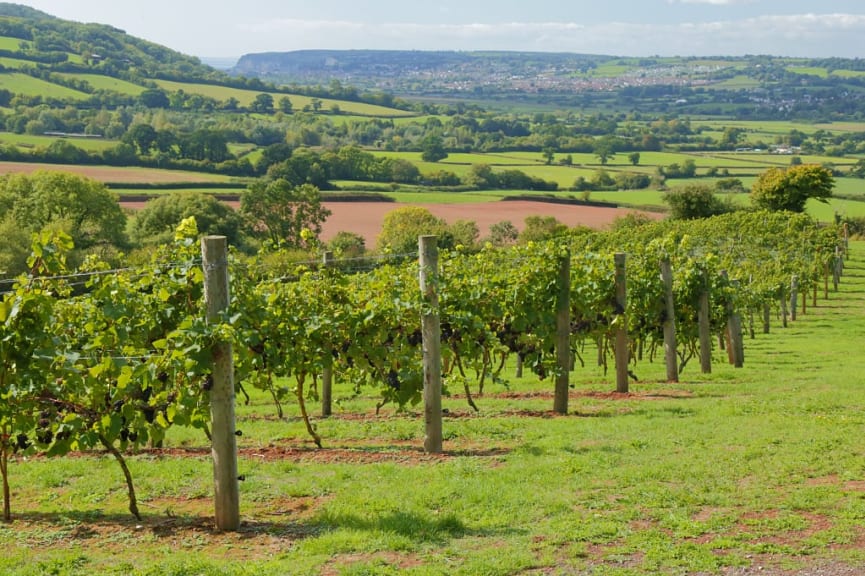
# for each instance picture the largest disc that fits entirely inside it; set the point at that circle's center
(563, 334)
(519, 369)
(826, 282)
(431, 332)
(670, 346)
(214, 254)
(804, 300)
(814, 297)
(705, 328)
(839, 264)
(622, 352)
(794, 296)
(767, 314)
(327, 371)
(783, 308)
(737, 343)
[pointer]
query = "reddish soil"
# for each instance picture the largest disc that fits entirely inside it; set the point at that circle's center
(365, 218)
(108, 173)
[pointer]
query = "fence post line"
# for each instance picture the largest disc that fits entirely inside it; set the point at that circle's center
(327, 371)
(705, 327)
(622, 352)
(431, 332)
(214, 255)
(670, 344)
(563, 334)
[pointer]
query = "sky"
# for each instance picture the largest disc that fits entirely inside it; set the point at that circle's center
(228, 29)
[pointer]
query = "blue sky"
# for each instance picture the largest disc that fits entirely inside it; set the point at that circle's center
(216, 28)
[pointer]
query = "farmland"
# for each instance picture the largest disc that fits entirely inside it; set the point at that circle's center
(245, 97)
(756, 468)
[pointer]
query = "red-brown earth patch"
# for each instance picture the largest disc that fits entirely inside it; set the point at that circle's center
(366, 218)
(131, 174)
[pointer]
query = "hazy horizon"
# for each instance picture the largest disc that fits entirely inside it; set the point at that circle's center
(615, 27)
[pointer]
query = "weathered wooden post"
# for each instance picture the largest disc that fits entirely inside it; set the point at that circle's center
(670, 345)
(705, 327)
(783, 307)
(794, 296)
(767, 314)
(214, 254)
(431, 332)
(839, 267)
(735, 343)
(622, 352)
(327, 371)
(563, 334)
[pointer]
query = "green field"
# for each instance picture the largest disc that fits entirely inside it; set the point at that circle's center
(23, 84)
(14, 63)
(33, 141)
(100, 82)
(11, 44)
(246, 97)
(740, 82)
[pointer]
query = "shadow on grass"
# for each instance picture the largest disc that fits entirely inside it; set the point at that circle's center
(421, 528)
(90, 525)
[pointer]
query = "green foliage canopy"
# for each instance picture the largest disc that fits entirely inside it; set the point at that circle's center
(281, 212)
(83, 208)
(790, 189)
(156, 222)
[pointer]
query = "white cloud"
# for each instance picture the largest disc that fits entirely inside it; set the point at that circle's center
(788, 35)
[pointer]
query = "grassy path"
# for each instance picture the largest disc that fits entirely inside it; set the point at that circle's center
(757, 470)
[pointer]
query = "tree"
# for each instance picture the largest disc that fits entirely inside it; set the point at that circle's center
(83, 208)
(143, 136)
(263, 103)
(694, 201)
(731, 137)
(15, 248)
(634, 158)
(401, 228)
(604, 150)
(503, 233)
(549, 155)
(432, 149)
(347, 244)
(154, 98)
(790, 189)
(465, 233)
(538, 228)
(282, 211)
(156, 223)
(285, 105)
(403, 171)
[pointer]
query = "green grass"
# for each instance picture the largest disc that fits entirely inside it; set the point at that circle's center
(32, 141)
(14, 63)
(809, 71)
(760, 466)
(246, 97)
(739, 82)
(100, 82)
(23, 84)
(9, 43)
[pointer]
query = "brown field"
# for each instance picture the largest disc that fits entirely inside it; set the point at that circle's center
(366, 218)
(131, 174)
